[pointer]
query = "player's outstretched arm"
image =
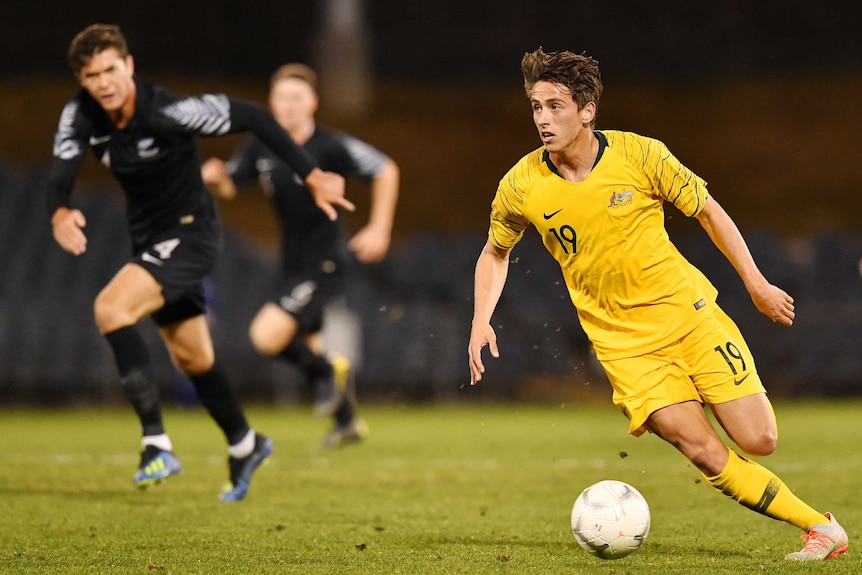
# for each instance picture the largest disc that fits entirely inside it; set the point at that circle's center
(481, 335)
(770, 300)
(327, 188)
(67, 225)
(371, 242)
(70, 146)
(492, 268)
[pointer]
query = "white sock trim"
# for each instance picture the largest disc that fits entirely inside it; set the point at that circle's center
(244, 447)
(162, 441)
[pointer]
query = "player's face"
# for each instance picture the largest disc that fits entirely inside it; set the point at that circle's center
(557, 117)
(293, 102)
(109, 79)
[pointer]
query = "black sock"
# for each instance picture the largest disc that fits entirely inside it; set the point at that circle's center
(345, 412)
(315, 366)
(220, 400)
(133, 361)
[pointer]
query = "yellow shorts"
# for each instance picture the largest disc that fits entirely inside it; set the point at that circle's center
(712, 364)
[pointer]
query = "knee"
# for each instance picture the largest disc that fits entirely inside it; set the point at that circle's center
(761, 444)
(110, 316)
(263, 341)
(193, 362)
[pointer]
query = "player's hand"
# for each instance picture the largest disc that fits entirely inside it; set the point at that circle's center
(774, 303)
(68, 227)
(213, 171)
(216, 177)
(328, 191)
(480, 336)
(370, 244)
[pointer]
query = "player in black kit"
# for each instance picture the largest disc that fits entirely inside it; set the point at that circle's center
(314, 249)
(148, 138)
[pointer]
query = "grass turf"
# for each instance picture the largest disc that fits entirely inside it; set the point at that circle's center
(436, 489)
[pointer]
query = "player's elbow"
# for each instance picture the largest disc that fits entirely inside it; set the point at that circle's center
(392, 170)
(389, 176)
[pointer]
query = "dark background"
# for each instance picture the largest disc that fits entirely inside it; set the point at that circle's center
(669, 40)
(761, 99)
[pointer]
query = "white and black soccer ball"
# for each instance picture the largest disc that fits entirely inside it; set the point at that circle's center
(610, 519)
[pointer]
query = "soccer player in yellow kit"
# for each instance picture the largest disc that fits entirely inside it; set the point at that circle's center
(596, 198)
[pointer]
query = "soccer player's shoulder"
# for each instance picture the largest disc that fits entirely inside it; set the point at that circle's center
(620, 138)
(525, 170)
(331, 140)
(631, 145)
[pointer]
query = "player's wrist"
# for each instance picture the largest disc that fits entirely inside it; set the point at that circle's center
(60, 214)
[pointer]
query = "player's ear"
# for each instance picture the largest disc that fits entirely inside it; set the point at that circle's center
(130, 63)
(588, 113)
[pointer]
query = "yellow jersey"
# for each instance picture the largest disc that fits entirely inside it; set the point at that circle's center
(633, 291)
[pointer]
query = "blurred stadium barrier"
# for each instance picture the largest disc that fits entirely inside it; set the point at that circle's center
(414, 313)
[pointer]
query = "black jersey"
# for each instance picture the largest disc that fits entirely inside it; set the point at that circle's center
(155, 157)
(308, 236)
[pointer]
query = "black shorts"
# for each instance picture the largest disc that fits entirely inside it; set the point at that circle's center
(179, 259)
(304, 294)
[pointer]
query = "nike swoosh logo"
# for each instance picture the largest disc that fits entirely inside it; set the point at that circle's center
(94, 141)
(152, 259)
(740, 380)
(552, 214)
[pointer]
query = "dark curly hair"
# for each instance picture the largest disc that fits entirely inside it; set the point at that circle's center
(92, 40)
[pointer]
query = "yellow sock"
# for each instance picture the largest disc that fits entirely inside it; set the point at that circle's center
(760, 490)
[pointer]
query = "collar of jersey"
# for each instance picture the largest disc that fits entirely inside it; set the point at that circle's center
(603, 143)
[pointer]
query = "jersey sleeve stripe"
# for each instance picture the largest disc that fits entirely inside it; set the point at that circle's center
(368, 159)
(208, 115)
(66, 146)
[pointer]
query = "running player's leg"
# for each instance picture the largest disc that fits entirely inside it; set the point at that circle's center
(180, 259)
(191, 349)
(294, 336)
(349, 427)
(685, 427)
(131, 295)
(726, 372)
(277, 332)
(748, 482)
(750, 422)
(272, 330)
(725, 375)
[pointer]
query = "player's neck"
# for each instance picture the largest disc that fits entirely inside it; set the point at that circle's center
(302, 132)
(576, 161)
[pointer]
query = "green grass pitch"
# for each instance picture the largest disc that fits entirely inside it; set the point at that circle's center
(437, 489)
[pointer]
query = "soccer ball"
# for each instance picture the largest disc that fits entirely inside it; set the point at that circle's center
(610, 519)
